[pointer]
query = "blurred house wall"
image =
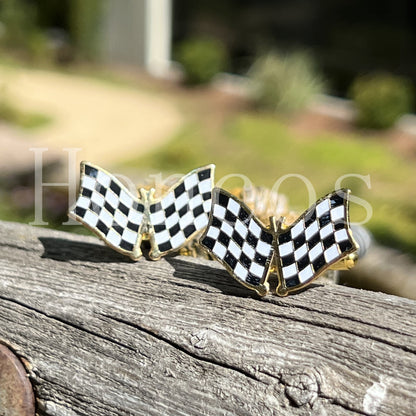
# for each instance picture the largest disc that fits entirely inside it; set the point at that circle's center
(138, 33)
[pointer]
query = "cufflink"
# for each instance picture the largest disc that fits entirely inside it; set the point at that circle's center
(319, 239)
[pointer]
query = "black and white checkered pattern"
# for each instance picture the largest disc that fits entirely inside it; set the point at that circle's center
(183, 211)
(107, 208)
(319, 238)
(237, 239)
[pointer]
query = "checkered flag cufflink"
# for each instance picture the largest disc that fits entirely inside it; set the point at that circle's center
(319, 239)
(122, 220)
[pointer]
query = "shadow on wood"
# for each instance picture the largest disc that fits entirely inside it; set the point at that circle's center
(61, 249)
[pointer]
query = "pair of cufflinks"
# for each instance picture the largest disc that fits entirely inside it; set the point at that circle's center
(319, 239)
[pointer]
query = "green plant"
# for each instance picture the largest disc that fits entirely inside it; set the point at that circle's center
(11, 114)
(17, 18)
(85, 21)
(285, 83)
(381, 99)
(21, 34)
(201, 59)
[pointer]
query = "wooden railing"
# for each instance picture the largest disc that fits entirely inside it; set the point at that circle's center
(102, 335)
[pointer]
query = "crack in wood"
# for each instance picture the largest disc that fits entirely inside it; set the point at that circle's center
(335, 315)
(65, 322)
(182, 348)
(341, 329)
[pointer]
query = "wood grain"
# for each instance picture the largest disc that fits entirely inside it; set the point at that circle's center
(103, 335)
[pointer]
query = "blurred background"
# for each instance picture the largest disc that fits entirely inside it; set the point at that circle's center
(264, 88)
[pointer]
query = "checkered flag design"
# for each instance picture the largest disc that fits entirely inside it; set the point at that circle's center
(238, 240)
(318, 239)
(182, 212)
(107, 208)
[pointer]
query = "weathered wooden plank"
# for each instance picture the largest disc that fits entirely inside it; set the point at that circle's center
(108, 336)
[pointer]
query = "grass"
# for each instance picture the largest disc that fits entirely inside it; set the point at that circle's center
(264, 148)
(11, 114)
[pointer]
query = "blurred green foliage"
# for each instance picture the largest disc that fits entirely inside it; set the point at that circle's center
(381, 99)
(10, 113)
(264, 148)
(20, 33)
(201, 59)
(85, 20)
(285, 82)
